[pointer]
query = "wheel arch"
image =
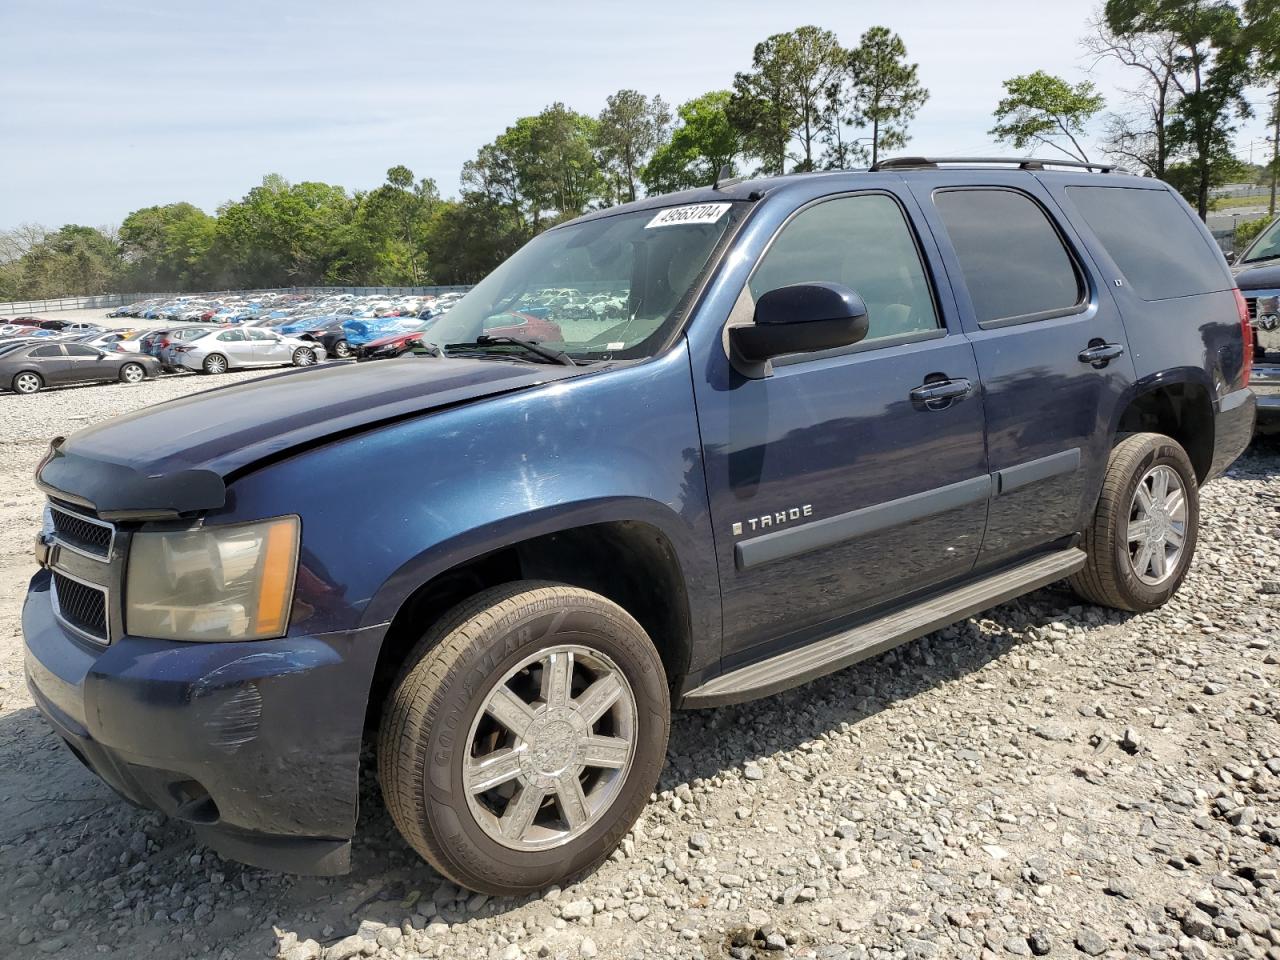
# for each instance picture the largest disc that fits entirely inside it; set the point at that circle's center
(1178, 404)
(625, 555)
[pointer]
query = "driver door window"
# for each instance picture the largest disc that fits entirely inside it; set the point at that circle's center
(864, 243)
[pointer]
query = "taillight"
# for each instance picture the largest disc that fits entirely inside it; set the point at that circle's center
(1246, 333)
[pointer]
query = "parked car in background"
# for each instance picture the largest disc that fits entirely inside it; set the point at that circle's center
(1257, 272)
(165, 350)
(235, 348)
(37, 365)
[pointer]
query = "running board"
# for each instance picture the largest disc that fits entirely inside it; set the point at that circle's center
(790, 669)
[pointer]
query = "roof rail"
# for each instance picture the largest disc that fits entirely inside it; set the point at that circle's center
(1022, 163)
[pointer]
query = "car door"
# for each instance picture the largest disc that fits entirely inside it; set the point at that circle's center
(86, 363)
(837, 483)
(237, 347)
(1050, 344)
(50, 363)
(268, 348)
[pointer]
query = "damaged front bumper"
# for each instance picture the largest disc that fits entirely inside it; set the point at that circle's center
(255, 744)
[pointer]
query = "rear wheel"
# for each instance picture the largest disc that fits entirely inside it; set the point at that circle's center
(303, 357)
(27, 382)
(215, 363)
(342, 349)
(1143, 535)
(524, 737)
(133, 373)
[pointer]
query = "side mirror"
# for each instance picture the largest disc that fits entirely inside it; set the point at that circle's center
(800, 318)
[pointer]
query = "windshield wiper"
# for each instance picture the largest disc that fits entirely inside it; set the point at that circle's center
(1269, 256)
(552, 356)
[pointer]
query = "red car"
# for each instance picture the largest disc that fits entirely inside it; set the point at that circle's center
(522, 325)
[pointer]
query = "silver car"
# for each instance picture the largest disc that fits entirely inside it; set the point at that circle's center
(228, 349)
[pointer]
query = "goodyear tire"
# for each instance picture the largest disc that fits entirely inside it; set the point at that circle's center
(1143, 534)
(524, 736)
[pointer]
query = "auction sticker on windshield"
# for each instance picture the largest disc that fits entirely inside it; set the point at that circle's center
(693, 213)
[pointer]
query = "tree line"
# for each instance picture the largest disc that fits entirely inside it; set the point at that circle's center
(805, 102)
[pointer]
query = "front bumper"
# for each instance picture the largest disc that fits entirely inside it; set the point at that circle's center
(1265, 384)
(255, 744)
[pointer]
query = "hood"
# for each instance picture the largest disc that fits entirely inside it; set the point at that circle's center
(1265, 276)
(175, 458)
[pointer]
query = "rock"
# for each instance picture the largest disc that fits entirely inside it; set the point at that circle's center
(752, 771)
(1040, 943)
(1089, 942)
(389, 938)
(587, 948)
(1054, 731)
(1122, 887)
(303, 950)
(775, 941)
(352, 946)
(577, 910)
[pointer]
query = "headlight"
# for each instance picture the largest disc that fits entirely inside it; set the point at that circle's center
(231, 582)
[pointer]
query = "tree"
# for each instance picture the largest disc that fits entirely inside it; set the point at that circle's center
(783, 98)
(166, 247)
(467, 238)
(1140, 134)
(628, 130)
(1262, 19)
(887, 92)
(541, 168)
(73, 260)
(393, 221)
(703, 142)
(1040, 108)
(1210, 69)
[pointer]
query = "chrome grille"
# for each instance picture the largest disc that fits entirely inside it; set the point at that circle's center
(81, 607)
(81, 534)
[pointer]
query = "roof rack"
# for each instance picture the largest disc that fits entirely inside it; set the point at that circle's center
(1022, 163)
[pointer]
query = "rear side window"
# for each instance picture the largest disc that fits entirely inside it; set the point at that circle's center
(1153, 241)
(1015, 265)
(46, 352)
(864, 243)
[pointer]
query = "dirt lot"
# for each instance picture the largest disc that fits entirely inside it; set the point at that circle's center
(1048, 779)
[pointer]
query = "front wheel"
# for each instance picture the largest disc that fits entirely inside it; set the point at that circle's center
(524, 736)
(303, 357)
(1143, 534)
(132, 373)
(342, 350)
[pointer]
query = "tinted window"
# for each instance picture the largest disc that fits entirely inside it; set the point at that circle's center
(863, 242)
(78, 350)
(1266, 247)
(1013, 260)
(46, 352)
(230, 336)
(1153, 241)
(259, 335)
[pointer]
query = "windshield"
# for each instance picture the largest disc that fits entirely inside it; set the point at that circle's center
(612, 287)
(1266, 247)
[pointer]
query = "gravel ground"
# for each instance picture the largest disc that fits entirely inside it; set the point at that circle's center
(1048, 779)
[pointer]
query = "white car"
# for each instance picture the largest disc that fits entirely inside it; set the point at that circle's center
(229, 349)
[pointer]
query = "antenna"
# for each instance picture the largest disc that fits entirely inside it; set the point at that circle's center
(725, 177)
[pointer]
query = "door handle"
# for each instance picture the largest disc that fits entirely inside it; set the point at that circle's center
(1099, 353)
(939, 394)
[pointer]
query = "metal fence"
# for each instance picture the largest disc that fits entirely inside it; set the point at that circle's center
(21, 307)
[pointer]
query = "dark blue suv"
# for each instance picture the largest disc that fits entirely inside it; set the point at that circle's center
(788, 424)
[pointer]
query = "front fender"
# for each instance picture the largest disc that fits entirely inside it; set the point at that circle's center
(385, 510)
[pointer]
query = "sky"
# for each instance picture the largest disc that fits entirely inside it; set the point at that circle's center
(109, 106)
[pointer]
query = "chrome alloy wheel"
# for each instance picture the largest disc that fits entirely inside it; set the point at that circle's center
(1157, 528)
(550, 748)
(26, 383)
(133, 373)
